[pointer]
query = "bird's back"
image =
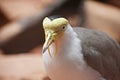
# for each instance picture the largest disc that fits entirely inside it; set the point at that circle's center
(101, 52)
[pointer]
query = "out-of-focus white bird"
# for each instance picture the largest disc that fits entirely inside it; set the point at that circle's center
(78, 53)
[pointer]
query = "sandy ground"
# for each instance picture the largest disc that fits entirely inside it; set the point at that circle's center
(22, 67)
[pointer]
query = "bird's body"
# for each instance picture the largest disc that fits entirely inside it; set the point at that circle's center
(82, 54)
(101, 52)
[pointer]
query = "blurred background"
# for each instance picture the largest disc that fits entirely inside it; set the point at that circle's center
(22, 35)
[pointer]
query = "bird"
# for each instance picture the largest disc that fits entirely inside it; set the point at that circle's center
(78, 53)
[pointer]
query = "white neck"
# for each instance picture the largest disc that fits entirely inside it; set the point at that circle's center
(69, 44)
(68, 62)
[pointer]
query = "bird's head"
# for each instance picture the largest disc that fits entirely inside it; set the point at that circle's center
(54, 29)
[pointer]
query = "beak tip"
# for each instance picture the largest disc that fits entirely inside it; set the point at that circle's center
(48, 42)
(43, 51)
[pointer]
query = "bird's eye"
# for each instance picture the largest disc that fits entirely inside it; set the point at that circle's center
(63, 27)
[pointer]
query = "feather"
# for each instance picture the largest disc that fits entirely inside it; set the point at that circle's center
(101, 52)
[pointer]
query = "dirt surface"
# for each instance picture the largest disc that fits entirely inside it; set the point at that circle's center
(22, 67)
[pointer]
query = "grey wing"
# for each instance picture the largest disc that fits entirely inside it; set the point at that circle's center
(101, 52)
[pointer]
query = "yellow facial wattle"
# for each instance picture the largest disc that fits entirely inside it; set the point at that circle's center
(52, 29)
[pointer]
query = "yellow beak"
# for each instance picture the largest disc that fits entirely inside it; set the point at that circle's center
(49, 40)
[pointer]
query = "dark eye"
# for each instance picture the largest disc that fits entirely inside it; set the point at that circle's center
(63, 27)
